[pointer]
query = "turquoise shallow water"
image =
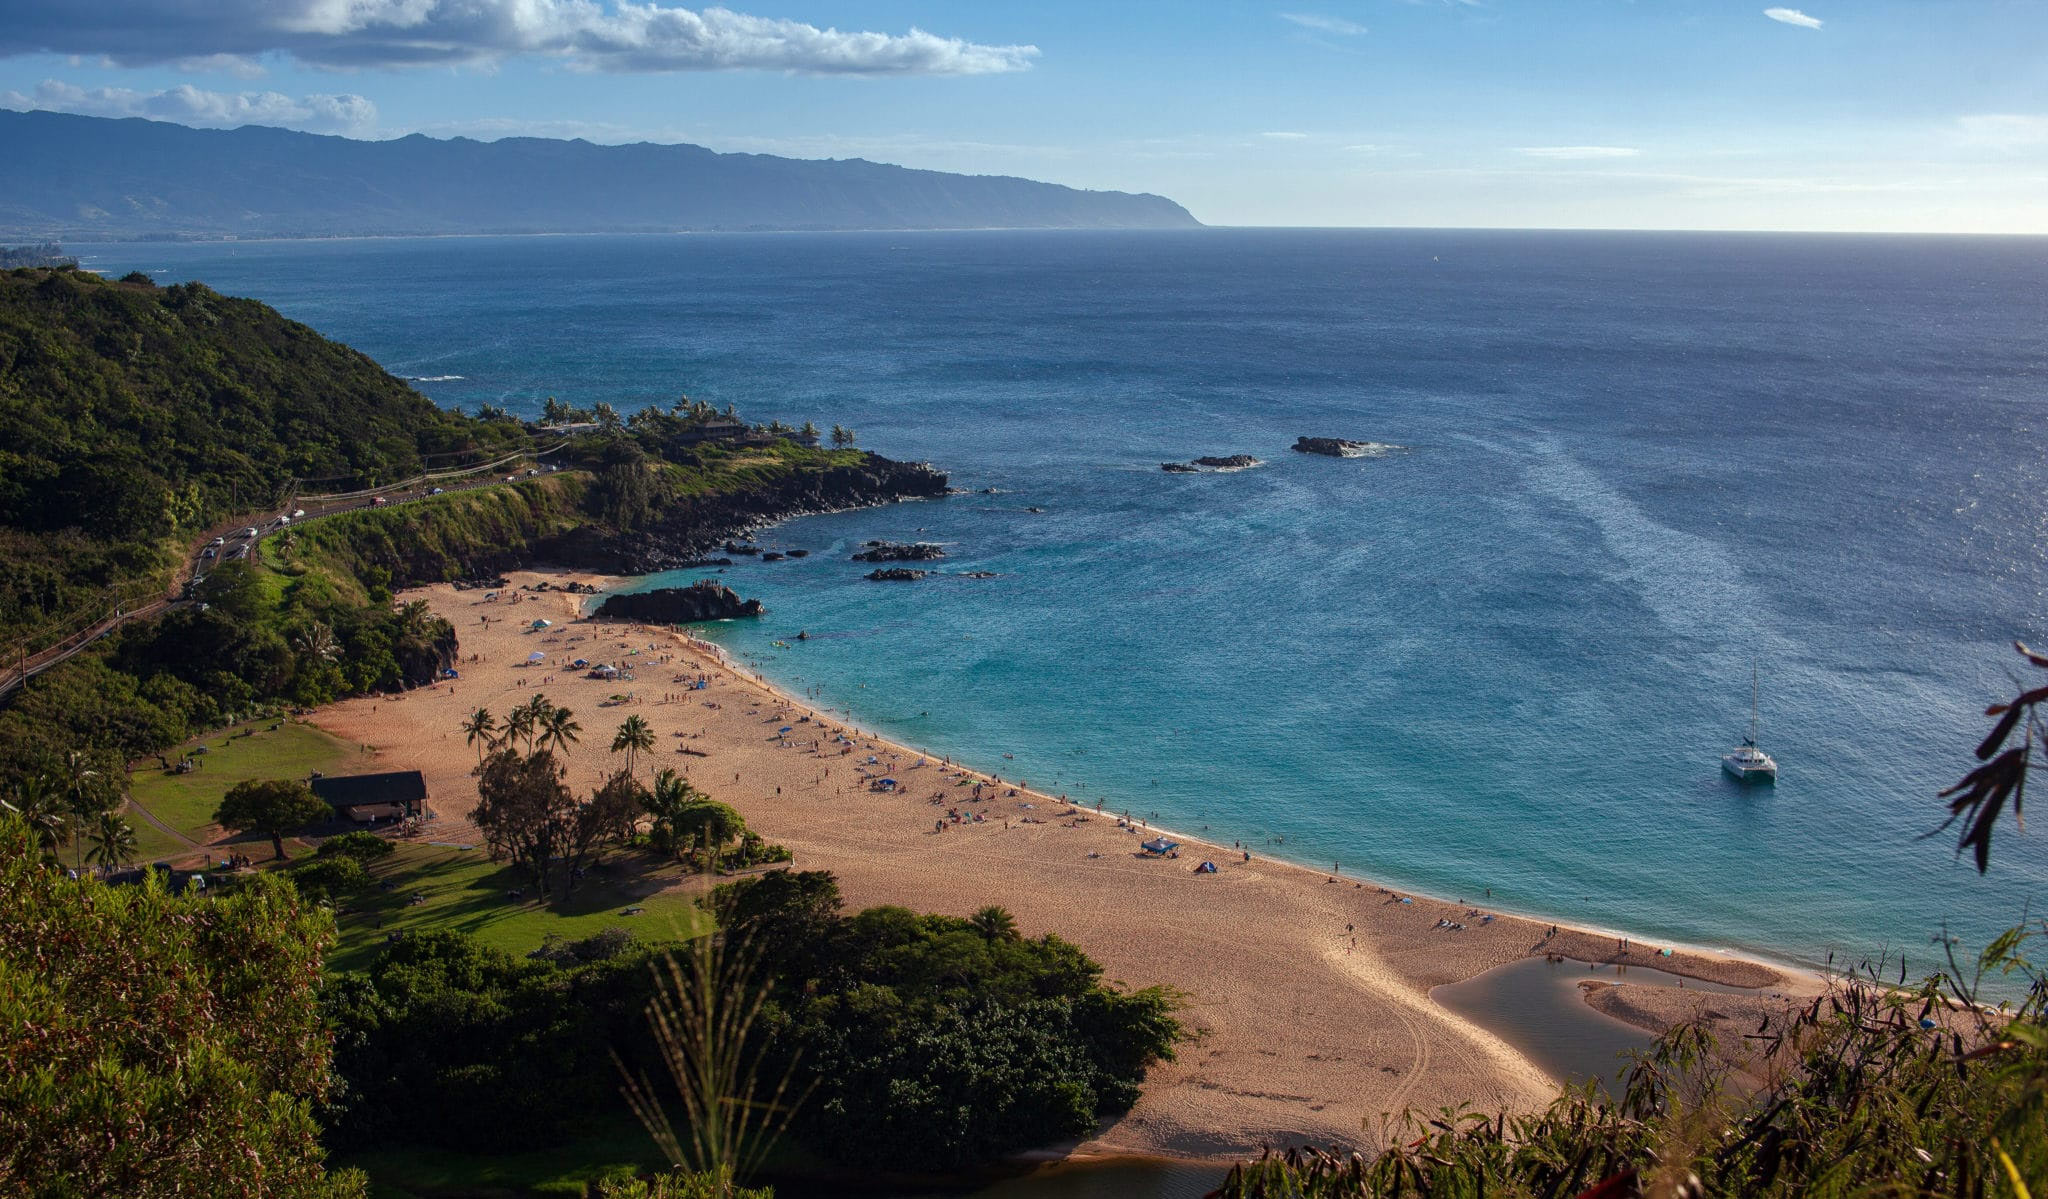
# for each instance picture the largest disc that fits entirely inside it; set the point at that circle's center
(1507, 657)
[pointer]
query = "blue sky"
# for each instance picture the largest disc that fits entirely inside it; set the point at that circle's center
(1841, 114)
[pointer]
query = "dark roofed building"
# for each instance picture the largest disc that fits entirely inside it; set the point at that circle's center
(369, 797)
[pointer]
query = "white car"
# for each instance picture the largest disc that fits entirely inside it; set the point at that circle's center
(220, 541)
(249, 532)
(297, 513)
(438, 491)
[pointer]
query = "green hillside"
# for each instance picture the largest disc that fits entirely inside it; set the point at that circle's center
(133, 417)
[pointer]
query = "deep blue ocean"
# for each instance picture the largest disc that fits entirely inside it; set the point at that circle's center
(1508, 656)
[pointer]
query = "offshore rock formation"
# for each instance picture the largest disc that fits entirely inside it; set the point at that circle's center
(691, 529)
(679, 605)
(890, 551)
(896, 574)
(1337, 447)
(1233, 462)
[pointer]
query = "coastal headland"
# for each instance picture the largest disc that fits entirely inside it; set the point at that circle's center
(1307, 992)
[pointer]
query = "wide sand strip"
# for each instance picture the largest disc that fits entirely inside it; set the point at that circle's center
(1310, 997)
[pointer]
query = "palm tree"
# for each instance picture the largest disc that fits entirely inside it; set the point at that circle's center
(287, 542)
(994, 923)
(36, 800)
(635, 737)
(316, 641)
(477, 731)
(113, 842)
(518, 727)
(558, 729)
(81, 784)
(413, 616)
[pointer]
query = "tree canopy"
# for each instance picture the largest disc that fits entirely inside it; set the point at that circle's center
(158, 1045)
(272, 807)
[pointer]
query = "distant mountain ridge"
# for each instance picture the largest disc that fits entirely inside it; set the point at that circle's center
(93, 177)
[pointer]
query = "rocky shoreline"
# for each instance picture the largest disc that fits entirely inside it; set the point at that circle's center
(696, 530)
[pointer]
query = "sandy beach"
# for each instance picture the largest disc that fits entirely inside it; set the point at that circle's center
(1308, 992)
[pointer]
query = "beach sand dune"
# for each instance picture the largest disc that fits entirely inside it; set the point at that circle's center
(1309, 998)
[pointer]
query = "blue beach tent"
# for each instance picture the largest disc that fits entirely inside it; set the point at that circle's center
(1160, 845)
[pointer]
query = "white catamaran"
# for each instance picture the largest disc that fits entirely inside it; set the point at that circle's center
(1748, 764)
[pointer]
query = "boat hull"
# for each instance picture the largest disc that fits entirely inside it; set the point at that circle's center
(1743, 773)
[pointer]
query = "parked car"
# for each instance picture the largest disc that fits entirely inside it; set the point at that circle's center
(220, 541)
(297, 513)
(249, 532)
(208, 552)
(438, 491)
(378, 501)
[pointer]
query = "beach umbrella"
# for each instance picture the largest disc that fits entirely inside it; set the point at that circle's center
(536, 656)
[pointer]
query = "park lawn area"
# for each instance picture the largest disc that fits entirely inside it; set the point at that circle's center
(467, 892)
(237, 754)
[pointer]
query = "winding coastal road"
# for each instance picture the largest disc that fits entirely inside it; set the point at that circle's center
(28, 663)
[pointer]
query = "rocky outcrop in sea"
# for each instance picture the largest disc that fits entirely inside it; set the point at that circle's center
(896, 574)
(893, 551)
(1338, 447)
(1198, 465)
(679, 605)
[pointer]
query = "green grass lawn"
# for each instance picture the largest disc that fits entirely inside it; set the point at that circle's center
(186, 802)
(467, 892)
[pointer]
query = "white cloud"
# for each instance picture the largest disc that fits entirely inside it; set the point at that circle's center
(1285, 135)
(188, 105)
(2004, 130)
(1323, 24)
(222, 64)
(594, 35)
(1577, 152)
(1792, 16)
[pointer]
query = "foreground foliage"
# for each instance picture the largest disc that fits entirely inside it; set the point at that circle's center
(156, 1045)
(924, 1042)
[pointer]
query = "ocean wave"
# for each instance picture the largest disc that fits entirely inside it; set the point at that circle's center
(433, 378)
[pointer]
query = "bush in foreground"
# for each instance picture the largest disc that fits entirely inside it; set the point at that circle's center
(157, 1045)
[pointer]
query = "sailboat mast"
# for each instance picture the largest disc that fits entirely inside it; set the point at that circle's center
(1752, 704)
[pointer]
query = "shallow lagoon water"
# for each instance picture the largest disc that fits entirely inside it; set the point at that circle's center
(1537, 1006)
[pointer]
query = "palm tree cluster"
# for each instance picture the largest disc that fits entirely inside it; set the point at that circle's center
(75, 810)
(531, 727)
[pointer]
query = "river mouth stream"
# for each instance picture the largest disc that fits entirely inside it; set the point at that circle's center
(1537, 1006)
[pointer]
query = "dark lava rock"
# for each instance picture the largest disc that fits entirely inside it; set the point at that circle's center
(741, 547)
(679, 605)
(799, 553)
(1334, 447)
(1233, 462)
(896, 574)
(890, 551)
(773, 556)
(980, 574)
